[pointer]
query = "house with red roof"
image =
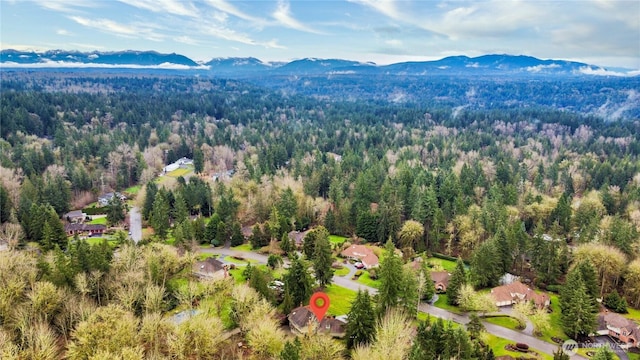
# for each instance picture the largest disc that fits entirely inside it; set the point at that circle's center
(363, 254)
(507, 295)
(619, 327)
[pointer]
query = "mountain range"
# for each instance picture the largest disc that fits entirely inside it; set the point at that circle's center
(498, 64)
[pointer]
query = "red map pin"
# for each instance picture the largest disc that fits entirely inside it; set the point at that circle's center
(319, 304)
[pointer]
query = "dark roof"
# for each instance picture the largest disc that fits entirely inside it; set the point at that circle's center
(300, 317)
(297, 236)
(440, 277)
(618, 321)
(75, 213)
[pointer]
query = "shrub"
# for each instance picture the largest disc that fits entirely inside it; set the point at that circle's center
(373, 275)
(358, 273)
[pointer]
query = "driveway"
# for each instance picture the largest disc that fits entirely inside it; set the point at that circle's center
(135, 224)
(512, 335)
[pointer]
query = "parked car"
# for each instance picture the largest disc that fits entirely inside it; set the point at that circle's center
(359, 265)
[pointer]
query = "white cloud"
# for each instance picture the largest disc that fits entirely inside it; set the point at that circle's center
(184, 39)
(63, 32)
(284, 17)
(67, 6)
(174, 7)
(589, 70)
(229, 8)
(394, 42)
(539, 68)
(385, 7)
(131, 30)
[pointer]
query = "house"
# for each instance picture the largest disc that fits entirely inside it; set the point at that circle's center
(620, 328)
(363, 254)
(507, 295)
(106, 198)
(297, 237)
(177, 164)
(84, 229)
(75, 216)
(440, 280)
(211, 268)
(300, 318)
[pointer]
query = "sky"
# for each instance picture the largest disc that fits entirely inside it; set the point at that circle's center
(599, 32)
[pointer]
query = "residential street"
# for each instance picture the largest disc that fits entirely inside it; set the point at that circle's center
(135, 224)
(346, 282)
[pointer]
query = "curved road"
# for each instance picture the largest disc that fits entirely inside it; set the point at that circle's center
(512, 335)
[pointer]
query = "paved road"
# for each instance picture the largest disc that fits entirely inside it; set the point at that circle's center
(512, 335)
(135, 224)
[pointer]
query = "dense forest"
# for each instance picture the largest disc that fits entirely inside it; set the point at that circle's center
(532, 191)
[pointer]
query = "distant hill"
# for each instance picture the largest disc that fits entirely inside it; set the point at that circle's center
(129, 57)
(495, 64)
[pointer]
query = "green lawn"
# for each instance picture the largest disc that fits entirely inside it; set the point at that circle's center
(98, 240)
(237, 275)
(341, 272)
(133, 189)
(102, 220)
(336, 239)
(497, 344)
(634, 356)
(633, 314)
(204, 256)
(339, 299)
(504, 321)
(243, 247)
(442, 304)
(236, 261)
(447, 265)
(179, 172)
(555, 329)
(366, 280)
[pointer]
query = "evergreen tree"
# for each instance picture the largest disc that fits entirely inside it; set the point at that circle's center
(291, 350)
(562, 212)
(391, 279)
(409, 295)
(5, 205)
(258, 238)
(285, 244)
(604, 353)
(211, 230)
(160, 215)
(198, 160)
(259, 280)
(361, 328)
(458, 278)
(287, 206)
(578, 307)
(151, 190)
(313, 236)
(475, 326)
(115, 211)
(322, 261)
(237, 238)
(485, 262)
(367, 226)
(589, 279)
(180, 211)
(298, 282)
(287, 301)
(615, 302)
